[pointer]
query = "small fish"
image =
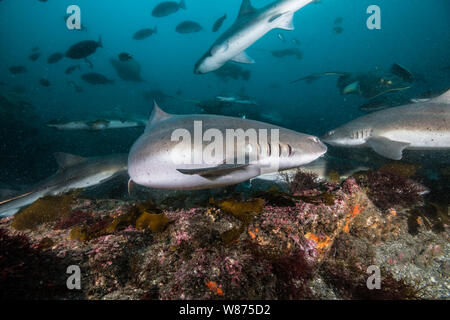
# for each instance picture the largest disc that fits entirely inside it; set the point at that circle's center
(71, 69)
(96, 78)
(83, 49)
(186, 27)
(144, 33)
(54, 58)
(338, 20)
(167, 8)
(218, 24)
(76, 87)
(281, 37)
(34, 56)
(18, 69)
(125, 56)
(402, 72)
(44, 82)
(287, 52)
(338, 30)
(296, 41)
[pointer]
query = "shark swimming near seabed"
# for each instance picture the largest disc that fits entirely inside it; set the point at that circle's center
(159, 160)
(74, 172)
(250, 25)
(418, 126)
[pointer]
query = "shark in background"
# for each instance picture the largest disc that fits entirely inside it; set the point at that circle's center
(250, 25)
(74, 172)
(418, 126)
(97, 125)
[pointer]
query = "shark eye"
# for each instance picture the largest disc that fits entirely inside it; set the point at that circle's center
(314, 139)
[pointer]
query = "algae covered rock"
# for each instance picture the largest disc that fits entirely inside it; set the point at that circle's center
(47, 209)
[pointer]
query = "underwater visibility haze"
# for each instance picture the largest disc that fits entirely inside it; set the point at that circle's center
(263, 149)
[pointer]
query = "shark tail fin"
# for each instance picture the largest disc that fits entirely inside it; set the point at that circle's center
(100, 43)
(182, 5)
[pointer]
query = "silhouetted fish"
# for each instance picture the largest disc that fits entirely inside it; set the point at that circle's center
(71, 69)
(338, 30)
(188, 27)
(144, 33)
(45, 82)
(54, 58)
(96, 78)
(125, 56)
(287, 52)
(34, 56)
(167, 8)
(17, 69)
(218, 24)
(83, 49)
(129, 70)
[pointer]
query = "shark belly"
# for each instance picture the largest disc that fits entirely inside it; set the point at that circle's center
(421, 139)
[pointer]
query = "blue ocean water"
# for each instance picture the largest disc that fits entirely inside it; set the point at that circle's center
(414, 33)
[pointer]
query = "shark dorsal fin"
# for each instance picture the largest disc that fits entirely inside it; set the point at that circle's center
(158, 115)
(65, 160)
(246, 8)
(444, 98)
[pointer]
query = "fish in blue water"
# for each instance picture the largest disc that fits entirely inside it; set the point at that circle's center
(145, 33)
(167, 8)
(186, 27)
(96, 78)
(83, 49)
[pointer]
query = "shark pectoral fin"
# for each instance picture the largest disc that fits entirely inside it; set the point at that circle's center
(15, 198)
(65, 160)
(243, 58)
(387, 148)
(220, 170)
(285, 21)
